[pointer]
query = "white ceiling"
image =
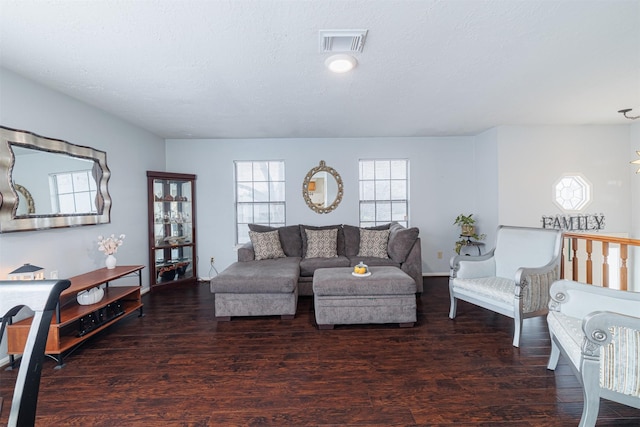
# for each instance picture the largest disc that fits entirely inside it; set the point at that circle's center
(253, 69)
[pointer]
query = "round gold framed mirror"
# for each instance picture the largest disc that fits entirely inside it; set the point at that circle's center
(322, 188)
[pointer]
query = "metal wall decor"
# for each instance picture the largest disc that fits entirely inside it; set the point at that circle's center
(576, 222)
(325, 194)
(30, 159)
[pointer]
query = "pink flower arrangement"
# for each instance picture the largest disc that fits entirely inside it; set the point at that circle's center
(110, 245)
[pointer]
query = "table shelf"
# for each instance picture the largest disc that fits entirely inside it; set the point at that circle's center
(67, 328)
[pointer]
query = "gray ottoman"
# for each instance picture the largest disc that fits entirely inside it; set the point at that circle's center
(388, 295)
(257, 288)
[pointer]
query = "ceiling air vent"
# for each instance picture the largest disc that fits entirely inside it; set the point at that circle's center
(342, 40)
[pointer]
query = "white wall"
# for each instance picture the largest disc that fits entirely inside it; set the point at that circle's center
(439, 181)
(634, 145)
(532, 158)
(130, 152)
(503, 176)
(485, 178)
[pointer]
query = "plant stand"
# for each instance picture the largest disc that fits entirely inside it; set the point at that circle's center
(471, 243)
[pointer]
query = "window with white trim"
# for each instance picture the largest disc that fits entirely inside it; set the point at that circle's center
(260, 195)
(384, 192)
(572, 192)
(73, 192)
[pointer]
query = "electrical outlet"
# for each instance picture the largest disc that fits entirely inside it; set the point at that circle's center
(53, 274)
(213, 260)
(439, 254)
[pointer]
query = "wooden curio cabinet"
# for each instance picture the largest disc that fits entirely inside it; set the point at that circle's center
(172, 228)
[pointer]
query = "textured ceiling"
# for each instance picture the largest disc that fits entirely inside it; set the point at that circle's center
(253, 69)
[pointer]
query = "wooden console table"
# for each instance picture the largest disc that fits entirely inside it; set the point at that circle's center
(74, 323)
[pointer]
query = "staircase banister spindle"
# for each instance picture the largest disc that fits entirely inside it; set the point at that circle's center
(589, 262)
(624, 255)
(623, 243)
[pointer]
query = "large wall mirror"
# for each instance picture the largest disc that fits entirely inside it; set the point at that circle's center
(50, 183)
(322, 188)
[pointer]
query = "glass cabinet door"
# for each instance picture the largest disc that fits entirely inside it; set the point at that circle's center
(172, 230)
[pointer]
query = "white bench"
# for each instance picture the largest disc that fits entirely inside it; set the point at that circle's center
(598, 331)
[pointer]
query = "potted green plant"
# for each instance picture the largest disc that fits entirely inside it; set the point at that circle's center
(467, 231)
(466, 223)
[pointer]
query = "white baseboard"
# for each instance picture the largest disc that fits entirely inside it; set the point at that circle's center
(435, 274)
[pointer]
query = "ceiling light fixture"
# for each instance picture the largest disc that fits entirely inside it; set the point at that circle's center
(340, 63)
(625, 111)
(637, 162)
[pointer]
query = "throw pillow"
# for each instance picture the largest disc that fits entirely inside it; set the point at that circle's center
(266, 245)
(289, 237)
(303, 228)
(373, 243)
(352, 237)
(322, 243)
(401, 241)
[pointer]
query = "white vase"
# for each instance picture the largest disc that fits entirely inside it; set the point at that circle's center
(110, 262)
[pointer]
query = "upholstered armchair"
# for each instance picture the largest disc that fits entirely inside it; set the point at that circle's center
(512, 279)
(598, 331)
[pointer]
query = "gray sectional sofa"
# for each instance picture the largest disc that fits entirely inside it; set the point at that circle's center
(256, 287)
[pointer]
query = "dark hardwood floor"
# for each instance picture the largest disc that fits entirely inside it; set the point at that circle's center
(177, 366)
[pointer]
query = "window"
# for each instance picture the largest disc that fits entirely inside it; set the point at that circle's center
(384, 192)
(72, 192)
(260, 195)
(572, 192)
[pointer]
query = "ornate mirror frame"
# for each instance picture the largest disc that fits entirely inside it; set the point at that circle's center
(31, 206)
(322, 167)
(10, 221)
